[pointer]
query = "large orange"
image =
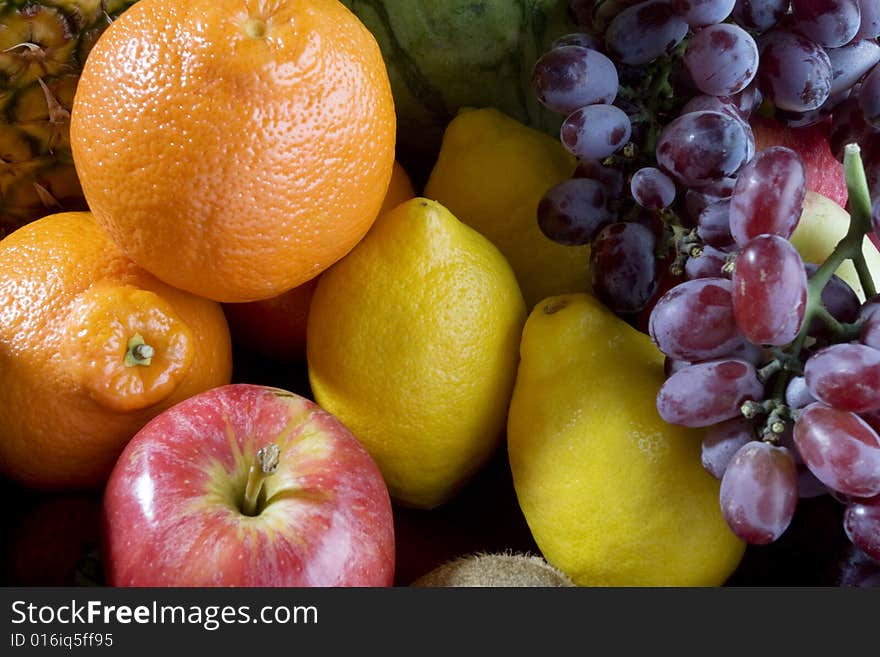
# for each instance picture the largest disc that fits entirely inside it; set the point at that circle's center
(275, 328)
(74, 384)
(234, 148)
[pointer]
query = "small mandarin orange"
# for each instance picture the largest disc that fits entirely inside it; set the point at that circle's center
(91, 347)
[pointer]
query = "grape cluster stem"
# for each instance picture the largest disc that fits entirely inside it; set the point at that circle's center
(849, 248)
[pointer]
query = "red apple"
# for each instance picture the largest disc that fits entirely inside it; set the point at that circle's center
(273, 328)
(196, 500)
(824, 171)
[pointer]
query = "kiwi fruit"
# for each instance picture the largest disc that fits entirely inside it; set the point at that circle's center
(484, 569)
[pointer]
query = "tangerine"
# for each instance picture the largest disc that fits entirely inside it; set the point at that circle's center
(240, 153)
(91, 347)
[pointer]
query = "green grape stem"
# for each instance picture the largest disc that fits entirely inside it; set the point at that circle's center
(849, 248)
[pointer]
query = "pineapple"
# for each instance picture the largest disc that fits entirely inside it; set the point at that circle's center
(43, 44)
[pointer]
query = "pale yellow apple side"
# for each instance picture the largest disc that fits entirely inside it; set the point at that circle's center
(613, 495)
(822, 225)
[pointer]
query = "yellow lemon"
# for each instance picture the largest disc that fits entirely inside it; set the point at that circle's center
(413, 344)
(612, 494)
(491, 173)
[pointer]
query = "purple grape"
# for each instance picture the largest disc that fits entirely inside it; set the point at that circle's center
(601, 14)
(839, 299)
(869, 98)
(700, 13)
(721, 59)
(769, 290)
(694, 320)
(725, 105)
(830, 23)
(713, 226)
(645, 31)
(611, 178)
(808, 485)
(623, 267)
(870, 333)
(720, 187)
(570, 77)
(750, 353)
(795, 72)
(861, 522)
(875, 216)
(595, 131)
(759, 492)
(694, 204)
(749, 99)
(786, 439)
(700, 147)
(848, 125)
(708, 393)
(845, 376)
(851, 62)
(582, 39)
(709, 264)
(812, 117)
(722, 442)
(705, 102)
(759, 15)
(840, 448)
(856, 570)
(869, 315)
(797, 395)
(573, 211)
(769, 195)
(871, 160)
(652, 189)
(869, 27)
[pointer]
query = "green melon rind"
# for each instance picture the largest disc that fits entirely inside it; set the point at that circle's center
(443, 55)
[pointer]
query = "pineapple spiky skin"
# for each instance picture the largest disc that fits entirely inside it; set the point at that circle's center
(43, 45)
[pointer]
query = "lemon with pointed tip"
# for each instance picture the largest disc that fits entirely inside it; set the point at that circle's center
(613, 495)
(413, 343)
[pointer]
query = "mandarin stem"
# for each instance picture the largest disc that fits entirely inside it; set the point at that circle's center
(138, 352)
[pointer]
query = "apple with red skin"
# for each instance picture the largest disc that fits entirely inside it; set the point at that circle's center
(824, 172)
(195, 499)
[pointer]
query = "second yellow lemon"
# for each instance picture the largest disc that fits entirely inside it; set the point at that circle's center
(491, 173)
(613, 495)
(413, 344)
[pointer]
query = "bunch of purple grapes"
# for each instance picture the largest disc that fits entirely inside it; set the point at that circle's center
(782, 361)
(780, 358)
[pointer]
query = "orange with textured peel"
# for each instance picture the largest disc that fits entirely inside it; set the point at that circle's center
(275, 328)
(234, 149)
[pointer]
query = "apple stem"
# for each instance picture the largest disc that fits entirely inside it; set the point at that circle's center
(267, 463)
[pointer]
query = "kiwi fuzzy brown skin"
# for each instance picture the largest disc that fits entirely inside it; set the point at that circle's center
(506, 569)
